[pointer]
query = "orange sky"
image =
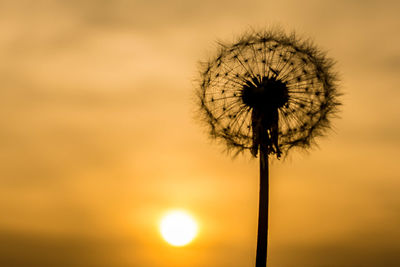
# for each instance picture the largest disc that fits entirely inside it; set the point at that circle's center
(99, 139)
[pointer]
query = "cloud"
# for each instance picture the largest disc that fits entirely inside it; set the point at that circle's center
(27, 249)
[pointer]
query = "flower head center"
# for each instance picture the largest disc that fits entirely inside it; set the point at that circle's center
(265, 93)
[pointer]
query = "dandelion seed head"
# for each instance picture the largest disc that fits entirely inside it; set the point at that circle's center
(268, 89)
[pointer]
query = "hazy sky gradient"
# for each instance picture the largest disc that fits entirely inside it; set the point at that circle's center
(99, 139)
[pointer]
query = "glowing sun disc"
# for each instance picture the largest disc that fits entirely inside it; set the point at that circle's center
(178, 228)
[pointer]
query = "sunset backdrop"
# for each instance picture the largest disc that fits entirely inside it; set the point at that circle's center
(99, 138)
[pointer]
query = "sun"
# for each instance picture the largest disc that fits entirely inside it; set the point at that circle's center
(178, 228)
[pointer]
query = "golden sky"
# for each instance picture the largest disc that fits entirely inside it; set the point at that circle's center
(98, 137)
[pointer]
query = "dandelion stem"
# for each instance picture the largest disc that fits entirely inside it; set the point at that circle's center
(262, 236)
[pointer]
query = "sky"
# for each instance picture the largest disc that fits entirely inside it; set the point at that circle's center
(99, 137)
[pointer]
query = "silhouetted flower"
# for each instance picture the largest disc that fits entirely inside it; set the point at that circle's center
(267, 92)
(268, 89)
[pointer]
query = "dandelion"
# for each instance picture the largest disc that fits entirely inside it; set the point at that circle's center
(267, 93)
